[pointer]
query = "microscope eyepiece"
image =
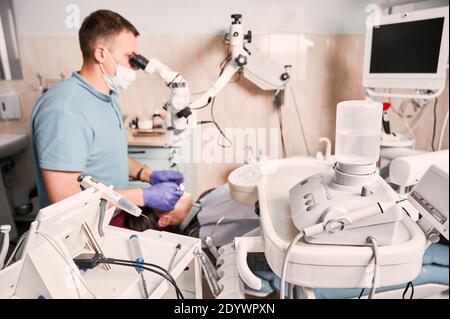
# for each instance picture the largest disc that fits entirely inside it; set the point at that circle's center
(138, 61)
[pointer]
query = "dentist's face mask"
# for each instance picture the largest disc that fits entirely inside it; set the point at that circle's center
(122, 78)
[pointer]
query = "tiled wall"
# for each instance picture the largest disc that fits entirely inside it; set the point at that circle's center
(326, 69)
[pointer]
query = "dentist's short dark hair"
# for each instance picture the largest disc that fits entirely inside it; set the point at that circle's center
(101, 24)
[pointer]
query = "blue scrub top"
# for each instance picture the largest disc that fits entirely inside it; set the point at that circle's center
(75, 128)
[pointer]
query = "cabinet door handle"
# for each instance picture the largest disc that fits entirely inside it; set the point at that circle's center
(136, 152)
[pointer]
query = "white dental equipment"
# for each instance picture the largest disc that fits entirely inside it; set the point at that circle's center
(353, 203)
(353, 185)
(408, 170)
(138, 257)
(256, 68)
(333, 203)
(430, 198)
(324, 265)
(178, 105)
(348, 213)
(243, 182)
(46, 267)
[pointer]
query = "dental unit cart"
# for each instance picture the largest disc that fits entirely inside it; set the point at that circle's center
(77, 227)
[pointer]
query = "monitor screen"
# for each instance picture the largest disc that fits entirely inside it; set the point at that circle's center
(408, 47)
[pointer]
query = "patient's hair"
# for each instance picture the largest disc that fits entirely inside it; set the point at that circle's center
(142, 223)
(101, 24)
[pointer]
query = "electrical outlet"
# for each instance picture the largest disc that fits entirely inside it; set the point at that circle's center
(10, 106)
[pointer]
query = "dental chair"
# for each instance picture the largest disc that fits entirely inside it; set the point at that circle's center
(431, 268)
(431, 280)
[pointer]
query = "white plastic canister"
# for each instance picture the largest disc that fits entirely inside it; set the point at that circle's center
(358, 132)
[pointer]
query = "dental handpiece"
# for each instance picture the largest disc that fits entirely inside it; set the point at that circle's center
(209, 241)
(110, 195)
(138, 258)
(339, 223)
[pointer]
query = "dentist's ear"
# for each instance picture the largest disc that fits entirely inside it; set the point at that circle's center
(100, 54)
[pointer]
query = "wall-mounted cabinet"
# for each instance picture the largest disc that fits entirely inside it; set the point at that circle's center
(10, 68)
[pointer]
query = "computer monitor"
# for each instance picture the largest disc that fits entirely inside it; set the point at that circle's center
(407, 50)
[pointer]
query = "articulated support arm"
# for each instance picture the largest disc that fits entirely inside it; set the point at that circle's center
(259, 70)
(217, 86)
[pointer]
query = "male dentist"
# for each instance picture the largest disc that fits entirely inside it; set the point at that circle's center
(77, 125)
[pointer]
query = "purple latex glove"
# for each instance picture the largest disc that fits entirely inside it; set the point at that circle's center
(166, 176)
(162, 196)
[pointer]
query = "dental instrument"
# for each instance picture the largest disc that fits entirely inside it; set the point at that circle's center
(138, 257)
(172, 260)
(212, 282)
(336, 224)
(209, 240)
(67, 225)
(108, 194)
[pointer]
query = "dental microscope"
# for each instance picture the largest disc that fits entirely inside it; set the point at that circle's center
(255, 67)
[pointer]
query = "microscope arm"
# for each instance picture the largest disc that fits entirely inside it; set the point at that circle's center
(257, 69)
(217, 86)
(177, 83)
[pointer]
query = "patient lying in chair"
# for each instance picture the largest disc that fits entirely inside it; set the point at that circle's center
(158, 220)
